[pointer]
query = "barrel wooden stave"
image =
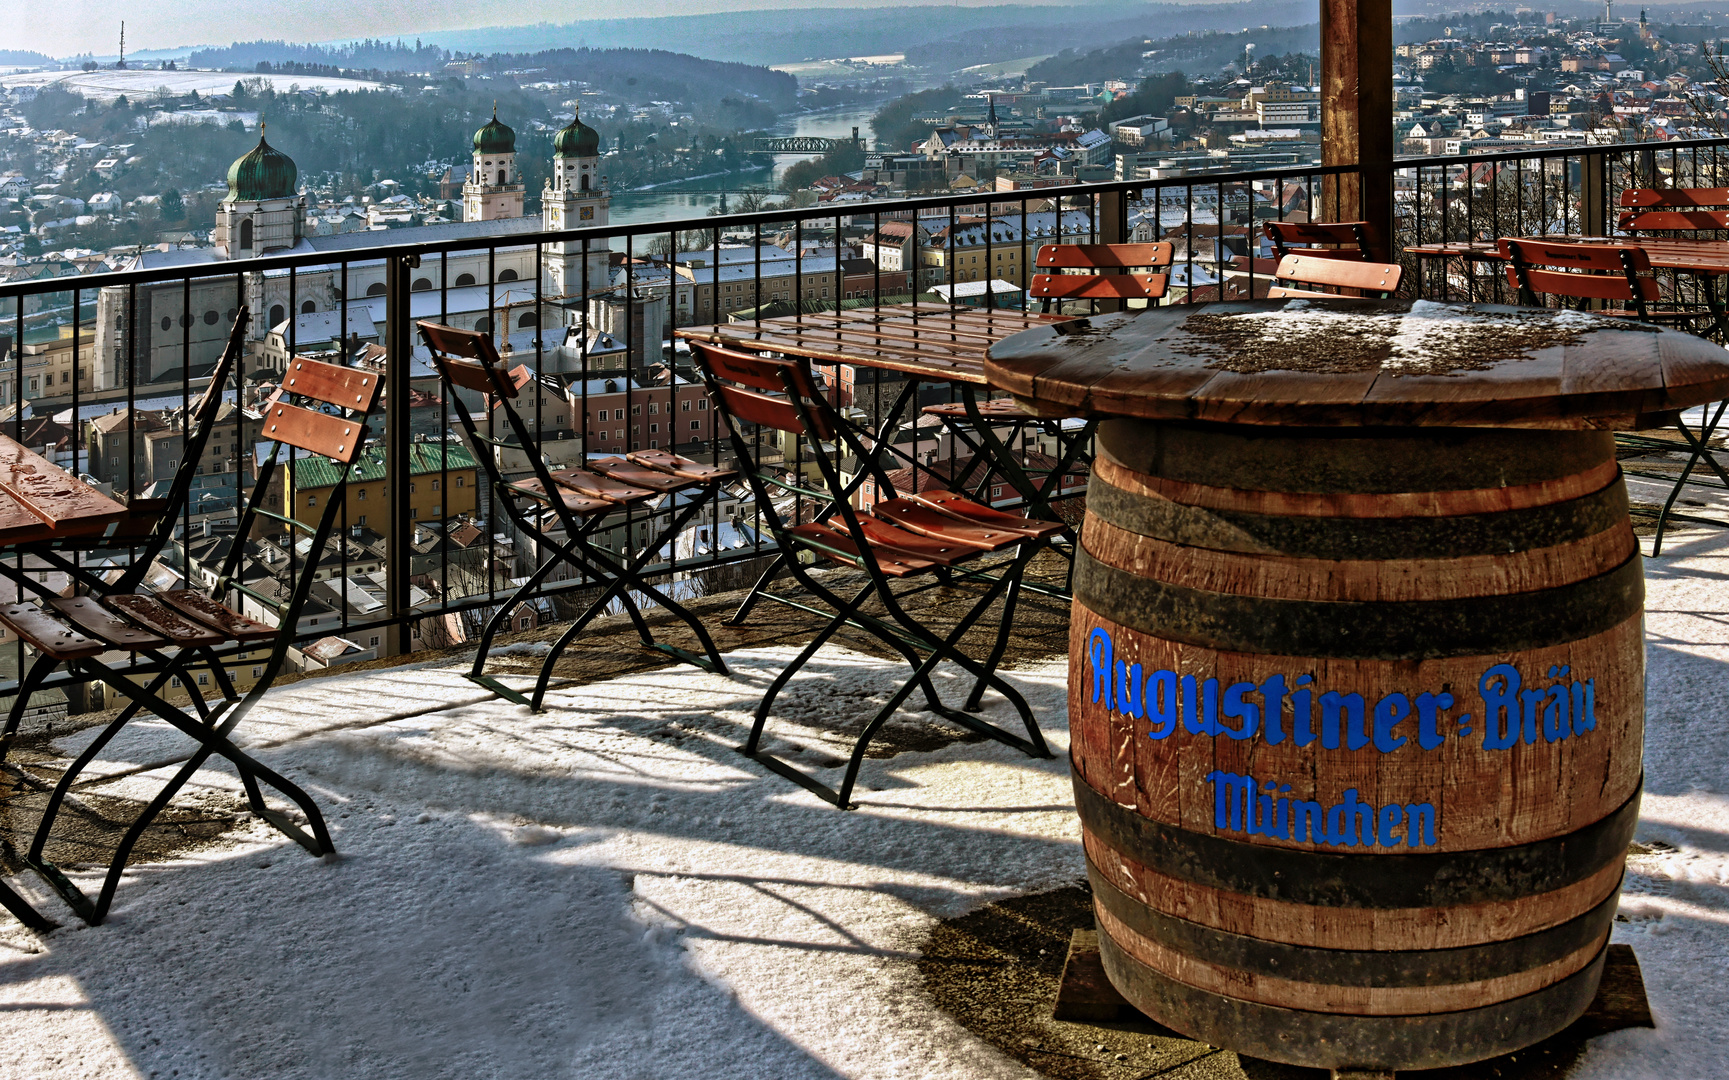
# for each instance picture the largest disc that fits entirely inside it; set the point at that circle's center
(1379, 562)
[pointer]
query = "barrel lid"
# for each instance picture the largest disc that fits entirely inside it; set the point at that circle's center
(1341, 361)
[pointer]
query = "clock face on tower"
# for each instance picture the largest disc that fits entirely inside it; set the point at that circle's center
(586, 213)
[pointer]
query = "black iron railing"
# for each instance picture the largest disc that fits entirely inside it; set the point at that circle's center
(591, 313)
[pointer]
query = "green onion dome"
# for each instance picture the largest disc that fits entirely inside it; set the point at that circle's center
(495, 138)
(264, 173)
(576, 139)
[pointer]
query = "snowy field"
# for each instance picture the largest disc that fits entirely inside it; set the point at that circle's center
(608, 891)
(107, 85)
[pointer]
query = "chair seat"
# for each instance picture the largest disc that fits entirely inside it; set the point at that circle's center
(629, 472)
(49, 635)
(927, 521)
(964, 509)
(596, 486)
(232, 625)
(162, 619)
(93, 620)
(994, 409)
(882, 534)
(662, 461)
(837, 545)
(573, 500)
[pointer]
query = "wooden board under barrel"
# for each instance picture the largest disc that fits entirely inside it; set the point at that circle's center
(1327, 856)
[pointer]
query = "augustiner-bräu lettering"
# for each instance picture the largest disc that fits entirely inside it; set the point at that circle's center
(1281, 707)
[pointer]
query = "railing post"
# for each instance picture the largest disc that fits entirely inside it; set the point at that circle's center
(1113, 225)
(399, 355)
(1594, 194)
(1357, 115)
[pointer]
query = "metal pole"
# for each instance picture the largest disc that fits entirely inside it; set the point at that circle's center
(399, 345)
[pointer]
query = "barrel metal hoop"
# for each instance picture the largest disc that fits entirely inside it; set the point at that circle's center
(1339, 1041)
(1353, 967)
(1362, 630)
(1325, 879)
(1369, 460)
(1503, 533)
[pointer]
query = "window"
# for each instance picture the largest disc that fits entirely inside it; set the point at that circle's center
(522, 623)
(461, 481)
(167, 323)
(375, 289)
(413, 512)
(277, 314)
(464, 279)
(411, 489)
(654, 444)
(696, 425)
(507, 274)
(361, 520)
(257, 671)
(636, 410)
(636, 429)
(619, 434)
(701, 404)
(245, 233)
(420, 285)
(435, 485)
(312, 500)
(204, 678)
(684, 406)
(654, 429)
(175, 681)
(653, 407)
(361, 492)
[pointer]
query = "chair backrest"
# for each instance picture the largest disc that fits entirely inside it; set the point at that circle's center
(1674, 209)
(467, 358)
(1118, 284)
(1322, 239)
(1365, 278)
(1581, 270)
(737, 381)
(311, 428)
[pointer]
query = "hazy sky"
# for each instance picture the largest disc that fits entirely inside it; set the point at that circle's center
(75, 26)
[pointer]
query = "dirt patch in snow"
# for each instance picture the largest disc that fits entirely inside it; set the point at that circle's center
(997, 969)
(92, 821)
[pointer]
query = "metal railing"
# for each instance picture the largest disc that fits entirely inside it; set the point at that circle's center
(591, 309)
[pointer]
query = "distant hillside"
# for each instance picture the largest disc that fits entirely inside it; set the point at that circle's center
(946, 35)
(650, 74)
(360, 55)
(22, 58)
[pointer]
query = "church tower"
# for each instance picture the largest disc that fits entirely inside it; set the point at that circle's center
(494, 188)
(575, 198)
(262, 211)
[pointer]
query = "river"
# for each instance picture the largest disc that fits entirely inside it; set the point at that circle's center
(694, 198)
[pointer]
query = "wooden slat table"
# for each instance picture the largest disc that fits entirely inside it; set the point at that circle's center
(40, 501)
(1356, 683)
(930, 342)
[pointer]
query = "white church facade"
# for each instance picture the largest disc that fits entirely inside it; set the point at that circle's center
(179, 325)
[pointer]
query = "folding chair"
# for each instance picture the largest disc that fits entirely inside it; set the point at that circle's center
(318, 408)
(579, 501)
(1321, 239)
(1615, 273)
(935, 535)
(1673, 210)
(1110, 278)
(1322, 273)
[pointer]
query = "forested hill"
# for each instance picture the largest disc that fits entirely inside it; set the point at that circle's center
(368, 55)
(646, 74)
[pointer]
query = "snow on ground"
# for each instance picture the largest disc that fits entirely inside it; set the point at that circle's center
(142, 83)
(607, 890)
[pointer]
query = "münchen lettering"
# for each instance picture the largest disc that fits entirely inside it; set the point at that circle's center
(1280, 707)
(1242, 804)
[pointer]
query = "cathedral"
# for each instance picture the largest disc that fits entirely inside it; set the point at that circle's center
(264, 213)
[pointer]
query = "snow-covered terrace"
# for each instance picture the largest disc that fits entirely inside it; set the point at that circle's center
(608, 890)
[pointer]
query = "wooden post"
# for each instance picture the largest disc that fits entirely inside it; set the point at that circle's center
(1357, 116)
(1113, 228)
(1594, 194)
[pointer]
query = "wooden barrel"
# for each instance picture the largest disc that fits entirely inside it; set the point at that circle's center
(1356, 722)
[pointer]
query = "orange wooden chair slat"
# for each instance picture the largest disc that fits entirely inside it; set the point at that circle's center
(1362, 277)
(1115, 285)
(1284, 234)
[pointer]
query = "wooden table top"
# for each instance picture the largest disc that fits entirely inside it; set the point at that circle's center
(41, 501)
(1697, 256)
(928, 341)
(1350, 362)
